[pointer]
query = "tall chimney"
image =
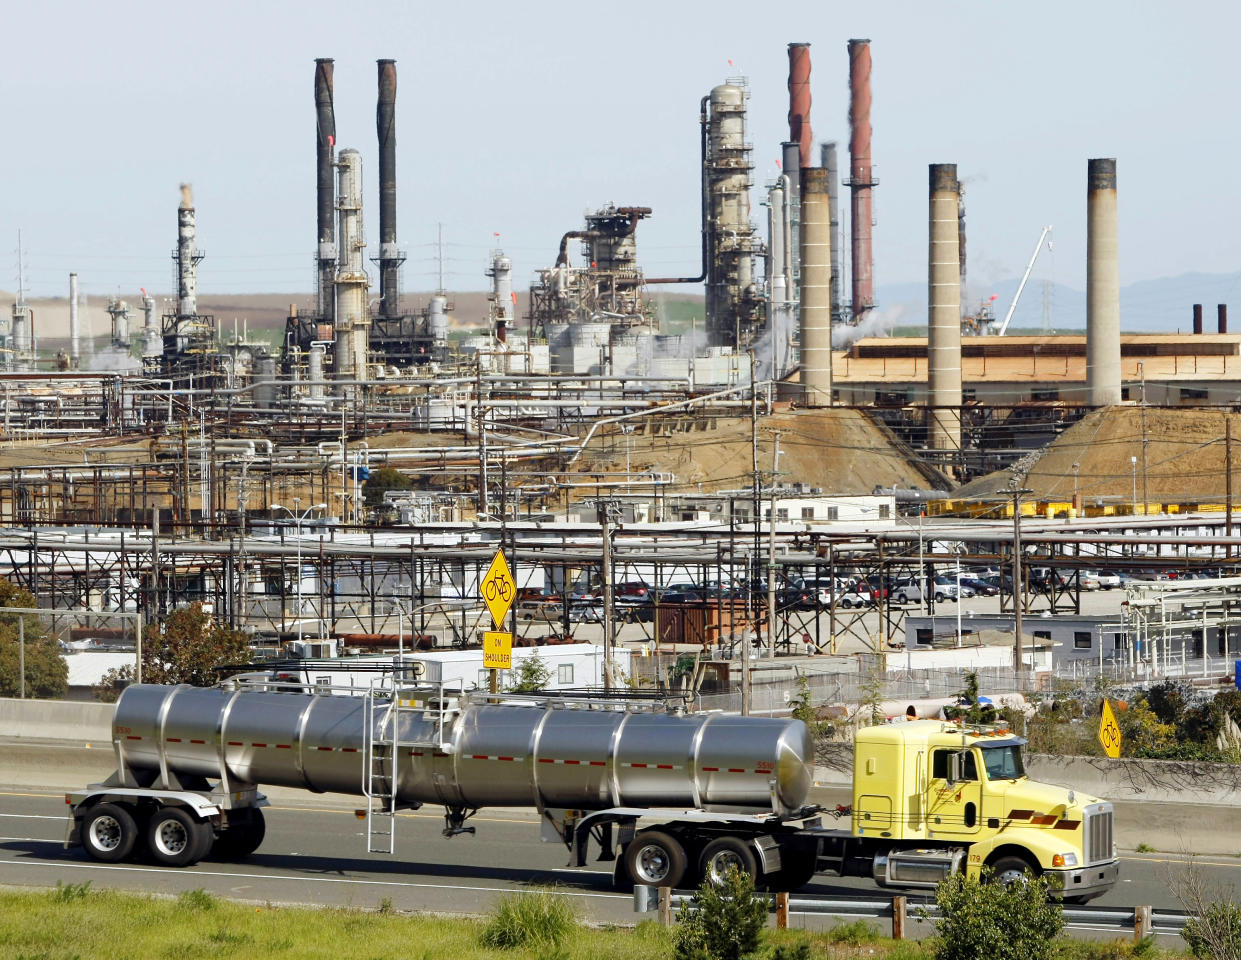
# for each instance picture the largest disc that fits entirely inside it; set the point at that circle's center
(1221, 316)
(828, 162)
(75, 330)
(1102, 286)
(390, 258)
(325, 188)
(352, 321)
(187, 255)
(860, 180)
(816, 287)
(799, 102)
(944, 310)
(1197, 319)
(791, 164)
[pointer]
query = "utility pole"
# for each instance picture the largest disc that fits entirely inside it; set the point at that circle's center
(756, 494)
(606, 508)
(1228, 476)
(1145, 497)
(1019, 593)
(771, 551)
(483, 505)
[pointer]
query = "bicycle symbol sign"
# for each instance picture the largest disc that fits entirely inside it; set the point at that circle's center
(1109, 732)
(497, 589)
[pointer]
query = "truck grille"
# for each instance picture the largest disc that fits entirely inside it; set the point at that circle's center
(1099, 835)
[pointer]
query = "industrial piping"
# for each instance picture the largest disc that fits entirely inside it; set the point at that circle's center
(390, 258)
(704, 200)
(816, 285)
(944, 310)
(325, 188)
(1102, 286)
(799, 102)
(860, 180)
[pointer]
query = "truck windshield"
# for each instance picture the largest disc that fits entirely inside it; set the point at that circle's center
(1003, 763)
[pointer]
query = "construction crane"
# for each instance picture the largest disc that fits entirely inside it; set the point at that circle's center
(1038, 247)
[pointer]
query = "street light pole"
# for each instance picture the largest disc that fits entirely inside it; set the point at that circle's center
(1133, 462)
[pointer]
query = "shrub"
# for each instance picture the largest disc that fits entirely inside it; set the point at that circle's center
(854, 933)
(1215, 932)
(722, 921)
(539, 919)
(984, 919)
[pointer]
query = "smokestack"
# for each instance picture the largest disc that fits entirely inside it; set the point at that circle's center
(1221, 316)
(1197, 319)
(791, 164)
(828, 162)
(860, 181)
(799, 102)
(816, 286)
(187, 255)
(389, 257)
(352, 322)
(75, 330)
(325, 187)
(944, 310)
(1102, 285)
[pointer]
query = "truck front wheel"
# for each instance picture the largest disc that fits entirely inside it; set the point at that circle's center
(655, 859)
(1010, 870)
(176, 839)
(719, 856)
(109, 833)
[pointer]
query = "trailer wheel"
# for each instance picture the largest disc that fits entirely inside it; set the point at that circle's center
(176, 839)
(655, 859)
(239, 840)
(109, 833)
(719, 856)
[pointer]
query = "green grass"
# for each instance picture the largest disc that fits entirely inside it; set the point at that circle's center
(77, 922)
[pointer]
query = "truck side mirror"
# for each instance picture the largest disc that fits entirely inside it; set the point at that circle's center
(956, 761)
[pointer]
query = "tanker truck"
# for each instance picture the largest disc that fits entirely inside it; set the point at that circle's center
(668, 797)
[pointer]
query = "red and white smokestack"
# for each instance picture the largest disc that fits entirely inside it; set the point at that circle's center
(944, 310)
(860, 180)
(1102, 285)
(799, 102)
(325, 188)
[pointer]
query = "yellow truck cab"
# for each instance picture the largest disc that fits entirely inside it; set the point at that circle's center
(932, 797)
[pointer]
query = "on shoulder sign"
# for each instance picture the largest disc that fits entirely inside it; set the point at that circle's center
(1109, 732)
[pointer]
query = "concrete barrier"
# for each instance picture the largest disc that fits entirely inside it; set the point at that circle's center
(74, 720)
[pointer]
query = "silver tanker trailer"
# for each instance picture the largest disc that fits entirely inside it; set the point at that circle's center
(668, 796)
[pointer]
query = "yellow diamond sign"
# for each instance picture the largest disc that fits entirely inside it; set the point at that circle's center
(497, 589)
(1109, 732)
(497, 651)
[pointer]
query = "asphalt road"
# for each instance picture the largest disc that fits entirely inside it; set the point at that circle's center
(315, 853)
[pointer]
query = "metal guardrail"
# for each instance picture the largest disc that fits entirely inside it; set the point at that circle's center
(1141, 920)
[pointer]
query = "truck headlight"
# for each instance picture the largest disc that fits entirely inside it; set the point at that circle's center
(1064, 860)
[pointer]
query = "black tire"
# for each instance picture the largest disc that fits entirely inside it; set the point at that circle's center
(1009, 870)
(655, 859)
(724, 853)
(176, 839)
(797, 868)
(109, 833)
(240, 839)
(901, 598)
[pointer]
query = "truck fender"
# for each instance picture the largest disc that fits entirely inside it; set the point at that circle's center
(195, 803)
(1038, 846)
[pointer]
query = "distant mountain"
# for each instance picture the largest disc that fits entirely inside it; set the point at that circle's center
(1162, 305)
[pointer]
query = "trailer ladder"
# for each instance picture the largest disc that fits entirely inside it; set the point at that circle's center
(380, 738)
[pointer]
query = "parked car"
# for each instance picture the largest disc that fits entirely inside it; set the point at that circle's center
(946, 589)
(907, 590)
(1002, 582)
(1088, 580)
(634, 589)
(980, 587)
(855, 597)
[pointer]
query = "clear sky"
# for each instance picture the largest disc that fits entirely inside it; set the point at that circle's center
(514, 118)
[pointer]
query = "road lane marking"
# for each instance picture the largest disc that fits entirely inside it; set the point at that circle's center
(304, 878)
(32, 816)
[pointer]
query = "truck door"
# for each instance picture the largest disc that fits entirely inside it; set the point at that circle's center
(954, 793)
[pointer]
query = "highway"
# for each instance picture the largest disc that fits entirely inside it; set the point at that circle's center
(315, 853)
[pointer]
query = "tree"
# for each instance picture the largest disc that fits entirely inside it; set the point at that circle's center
(723, 921)
(380, 482)
(47, 674)
(530, 675)
(185, 648)
(802, 708)
(984, 919)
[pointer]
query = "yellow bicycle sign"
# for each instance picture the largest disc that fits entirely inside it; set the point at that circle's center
(497, 589)
(1109, 732)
